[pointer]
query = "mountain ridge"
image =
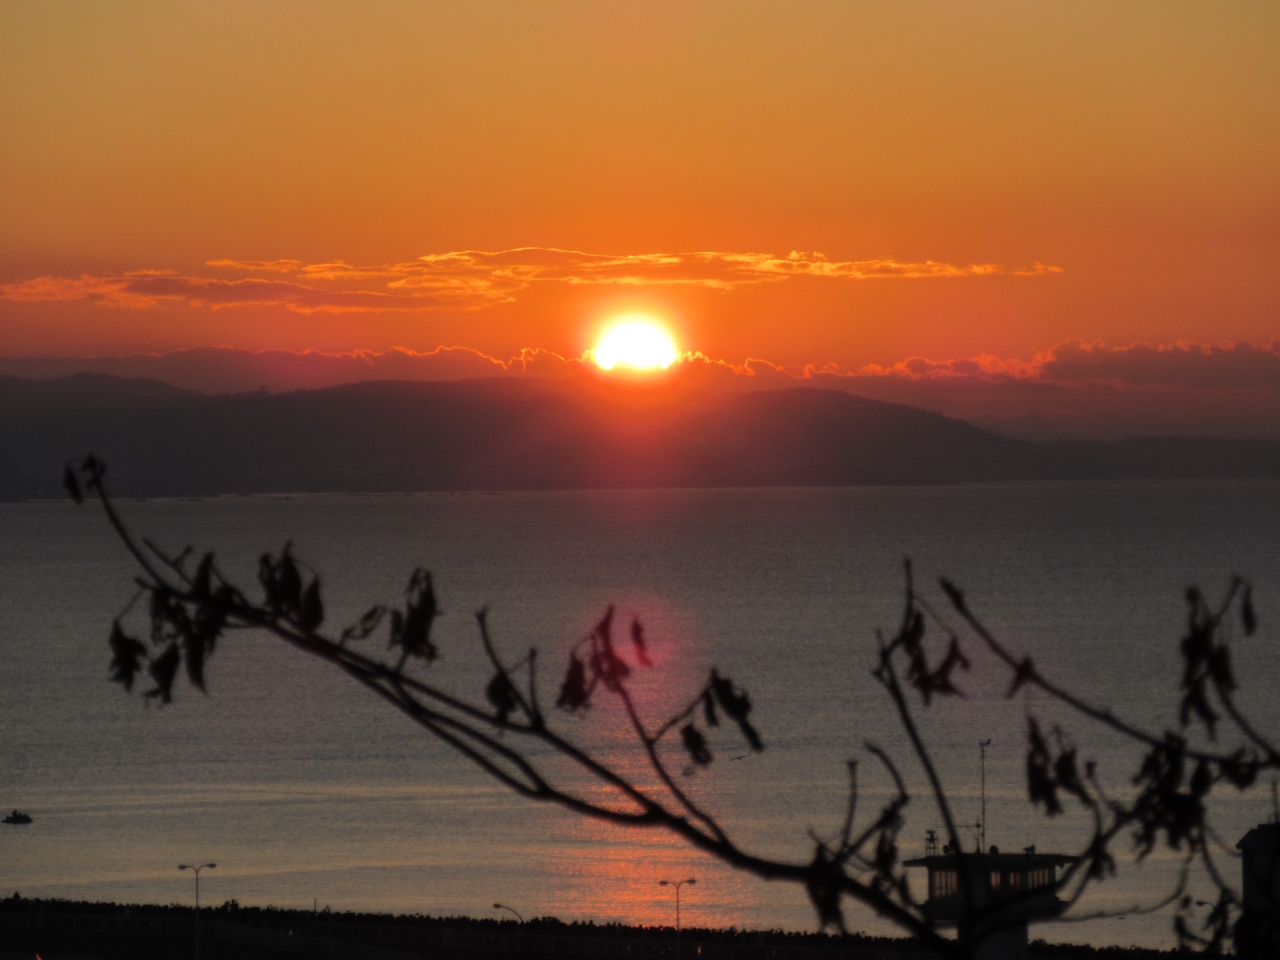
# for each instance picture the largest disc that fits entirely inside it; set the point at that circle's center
(532, 433)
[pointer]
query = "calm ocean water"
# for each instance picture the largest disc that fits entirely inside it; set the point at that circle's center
(305, 789)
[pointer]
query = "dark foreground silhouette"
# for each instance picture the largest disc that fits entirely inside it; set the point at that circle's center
(117, 931)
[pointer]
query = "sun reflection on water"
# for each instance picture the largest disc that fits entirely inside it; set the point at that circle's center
(603, 872)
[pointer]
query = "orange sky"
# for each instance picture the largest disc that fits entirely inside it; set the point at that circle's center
(180, 175)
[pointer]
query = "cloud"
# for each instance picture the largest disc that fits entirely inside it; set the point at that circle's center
(1069, 365)
(984, 366)
(213, 369)
(235, 370)
(149, 288)
(1192, 365)
(109, 290)
(1093, 390)
(268, 266)
(470, 279)
(1071, 390)
(1184, 364)
(500, 273)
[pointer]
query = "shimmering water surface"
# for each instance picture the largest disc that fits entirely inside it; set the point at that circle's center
(304, 788)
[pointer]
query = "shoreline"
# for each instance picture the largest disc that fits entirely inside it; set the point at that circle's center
(110, 930)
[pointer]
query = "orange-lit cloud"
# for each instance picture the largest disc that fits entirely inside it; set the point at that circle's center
(232, 370)
(1236, 365)
(1183, 364)
(140, 289)
(1072, 389)
(1093, 390)
(471, 279)
(1189, 366)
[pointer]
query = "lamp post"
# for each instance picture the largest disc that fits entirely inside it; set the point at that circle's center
(677, 884)
(503, 906)
(982, 746)
(196, 871)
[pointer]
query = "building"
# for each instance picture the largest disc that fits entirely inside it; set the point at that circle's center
(1257, 933)
(995, 892)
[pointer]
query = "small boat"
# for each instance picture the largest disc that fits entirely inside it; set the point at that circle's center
(16, 818)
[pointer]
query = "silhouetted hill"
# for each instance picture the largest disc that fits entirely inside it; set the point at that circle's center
(528, 433)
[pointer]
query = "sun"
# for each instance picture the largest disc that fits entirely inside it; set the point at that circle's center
(637, 343)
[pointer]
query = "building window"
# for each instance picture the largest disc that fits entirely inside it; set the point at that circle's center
(1042, 877)
(1015, 881)
(942, 883)
(995, 879)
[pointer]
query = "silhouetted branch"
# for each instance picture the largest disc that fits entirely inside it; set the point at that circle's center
(189, 610)
(191, 603)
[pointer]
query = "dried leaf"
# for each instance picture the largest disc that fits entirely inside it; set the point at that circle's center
(369, 622)
(194, 659)
(501, 695)
(1196, 704)
(1068, 776)
(312, 613)
(1239, 769)
(637, 641)
(573, 692)
(1201, 780)
(605, 626)
(163, 669)
(72, 485)
(289, 582)
(411, 631)
(709, 709)
(200, 583)
(604, 664)
(695, 744)
(126, 656)
(1041, 786)
(1247, 617)
(1220, 668)
(736, 706)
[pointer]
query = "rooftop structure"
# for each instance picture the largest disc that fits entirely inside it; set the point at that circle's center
(998, 892)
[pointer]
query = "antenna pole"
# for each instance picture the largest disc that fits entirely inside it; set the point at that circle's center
(982, 747)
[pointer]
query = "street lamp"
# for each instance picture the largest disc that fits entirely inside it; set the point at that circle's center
(677, 884)
(982, 746)
(196, 870)
(503, 906)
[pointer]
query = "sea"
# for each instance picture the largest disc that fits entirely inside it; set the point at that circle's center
(308, 791)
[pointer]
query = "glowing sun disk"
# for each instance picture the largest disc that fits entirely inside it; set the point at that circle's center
(639, 344)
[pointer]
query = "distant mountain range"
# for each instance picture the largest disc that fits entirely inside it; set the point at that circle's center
(528, 433)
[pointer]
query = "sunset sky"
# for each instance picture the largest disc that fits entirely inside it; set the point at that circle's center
(876, 189)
